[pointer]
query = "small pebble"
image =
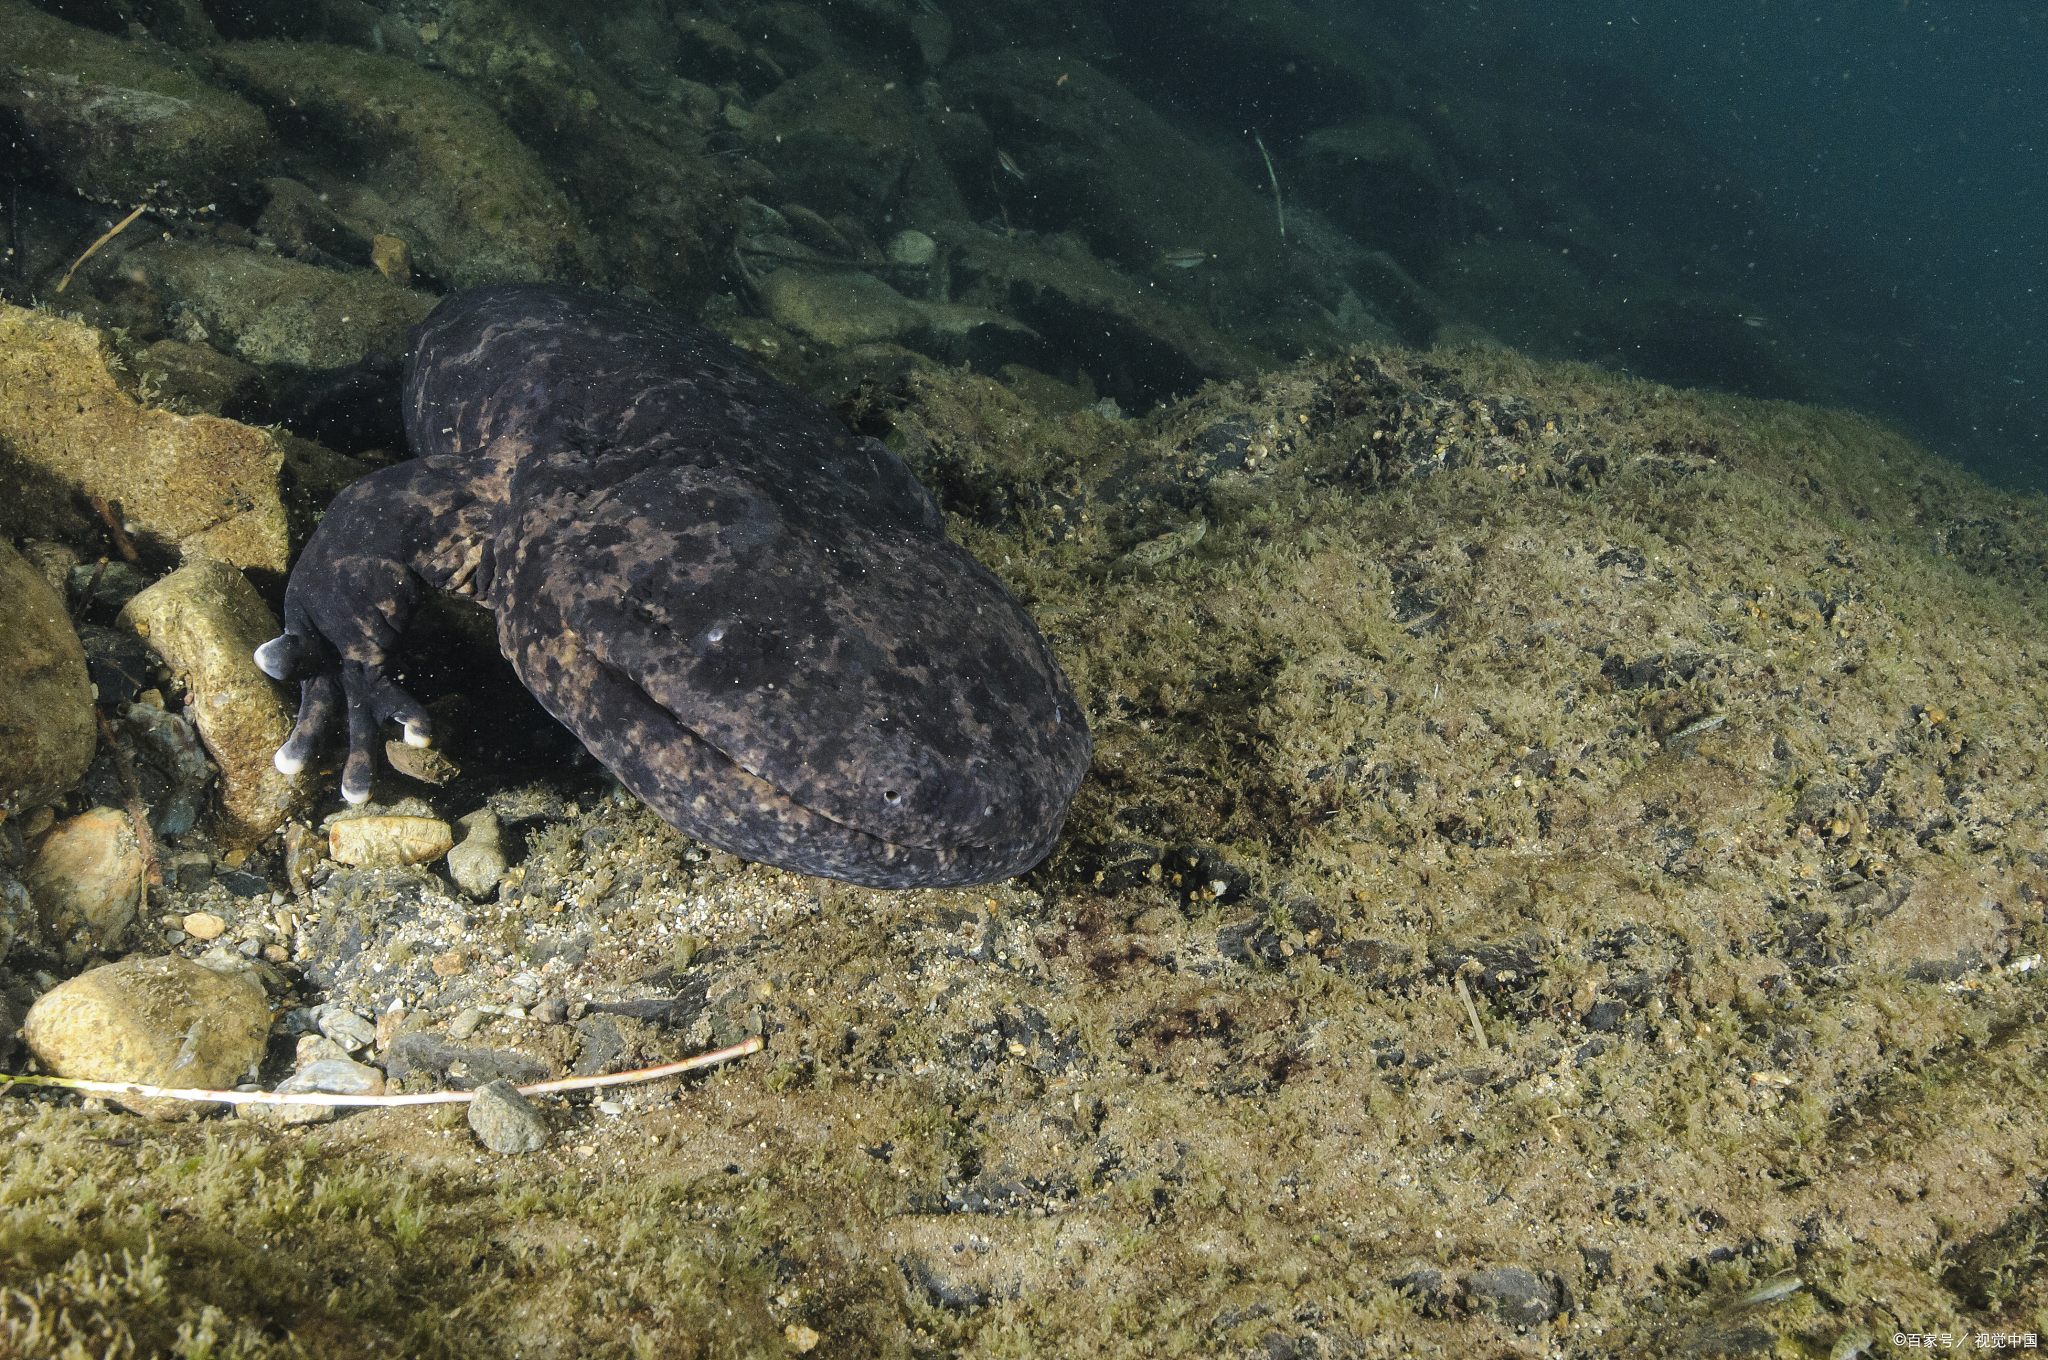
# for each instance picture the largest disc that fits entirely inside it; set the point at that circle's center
(344, 1026)
(203, 925)
(506, 1121)
(552, 1011)
(387, 842)
(465, 1024)
(336, 1076)
(314, 1048)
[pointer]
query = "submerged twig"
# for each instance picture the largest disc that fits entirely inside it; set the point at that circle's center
(89, 250)
(92, 588)
(1274, 176)
(116, 532)
(144, 1092)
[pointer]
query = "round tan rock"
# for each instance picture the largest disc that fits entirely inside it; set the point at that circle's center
(204, 925)
(156, 1021)
(86, 880)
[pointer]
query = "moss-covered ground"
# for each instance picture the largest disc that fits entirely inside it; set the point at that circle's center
(1544, 827)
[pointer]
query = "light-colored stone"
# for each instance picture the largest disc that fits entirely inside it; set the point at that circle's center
(912, 248)
(206, 621)
(478, 863)
(387, 842)
(47, 732)
(344, 1026)
(86, 879)
(204, 925)
(156, 1021)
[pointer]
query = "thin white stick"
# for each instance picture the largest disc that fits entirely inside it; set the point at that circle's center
(1273, 175)
(1478, 1030)
(136, 1089)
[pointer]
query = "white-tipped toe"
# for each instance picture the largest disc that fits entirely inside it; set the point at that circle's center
(273, 659)
(416, 735)
(354, 798)
(285, 764)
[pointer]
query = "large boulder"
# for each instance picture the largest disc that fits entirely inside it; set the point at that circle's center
(427, 161)
(120, 121)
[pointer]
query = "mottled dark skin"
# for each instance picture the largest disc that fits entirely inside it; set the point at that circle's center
(753, 618)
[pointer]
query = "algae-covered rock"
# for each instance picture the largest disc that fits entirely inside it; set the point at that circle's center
(187, 484)
(1096, 320)
(838, 308)
(47, 732)
(121, 122)
(86, 879)
(272, 311)
(430, 161)
(1099, 162)
(207, 621)
(846, 141)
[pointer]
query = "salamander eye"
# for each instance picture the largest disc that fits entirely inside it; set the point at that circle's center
(891, 796)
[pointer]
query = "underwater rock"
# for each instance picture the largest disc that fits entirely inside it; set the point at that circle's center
(272, 311)
(86, 879)
(505, 1121)
(205, 620)
(47, 732)
(388, 842)
(340, 1076)
(840, 308)
(842, 140)
(1516, 1295)
(120, 122)
(196, 484)
(1092, 318)
(478, 862)
(429, 161)
(156, 1021)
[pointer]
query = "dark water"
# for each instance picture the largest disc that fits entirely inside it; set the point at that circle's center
(1891, 155)
(1860, 184)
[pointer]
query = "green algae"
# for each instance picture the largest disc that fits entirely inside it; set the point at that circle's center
(1431, 704)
